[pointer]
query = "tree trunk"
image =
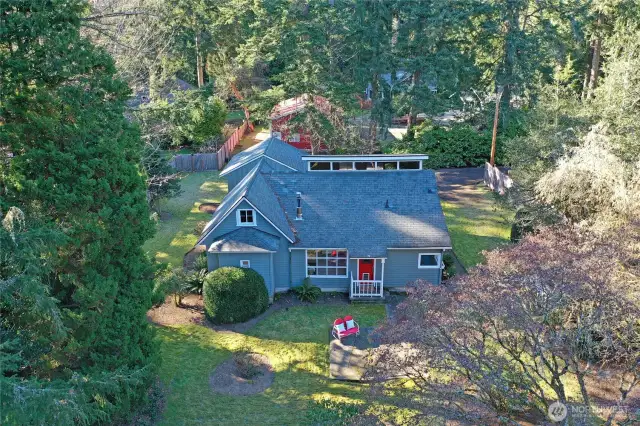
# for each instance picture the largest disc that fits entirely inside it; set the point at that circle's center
(414, 82)
(595, 67)
(494, 136)
(583, 388)
(199, 62)
(595, 61)
(505, 78)
(587, 72)
(373, 126)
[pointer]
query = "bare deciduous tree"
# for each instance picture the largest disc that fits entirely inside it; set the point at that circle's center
(506, 340)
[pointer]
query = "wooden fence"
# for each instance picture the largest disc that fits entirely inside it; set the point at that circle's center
(496, 179)
(210, 161)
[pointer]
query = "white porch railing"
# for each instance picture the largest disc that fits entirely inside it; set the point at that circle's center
(366, 288)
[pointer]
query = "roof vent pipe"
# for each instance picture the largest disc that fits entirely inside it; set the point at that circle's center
(299, 207)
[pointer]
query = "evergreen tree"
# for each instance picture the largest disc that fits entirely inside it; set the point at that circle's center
(75, 169)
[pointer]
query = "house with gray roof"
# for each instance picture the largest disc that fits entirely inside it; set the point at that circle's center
(353, 223)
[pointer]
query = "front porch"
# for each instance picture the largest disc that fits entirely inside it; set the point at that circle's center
(368, 281)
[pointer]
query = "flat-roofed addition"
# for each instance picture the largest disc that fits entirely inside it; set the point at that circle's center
(318, 163)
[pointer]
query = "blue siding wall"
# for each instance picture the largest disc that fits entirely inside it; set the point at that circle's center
(280, 277)
(289, 268)
(401, 267)
(212, 261)
(260, 262)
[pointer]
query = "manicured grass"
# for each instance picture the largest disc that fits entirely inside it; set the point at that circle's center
(175, 235)
(296, 342)
(476, 223)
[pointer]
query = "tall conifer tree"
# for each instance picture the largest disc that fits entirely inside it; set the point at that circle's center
(75, 168)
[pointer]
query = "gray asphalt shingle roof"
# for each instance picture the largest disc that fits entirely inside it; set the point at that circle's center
(347, 210)
(245, 240)
(273, 148)
(256, 191)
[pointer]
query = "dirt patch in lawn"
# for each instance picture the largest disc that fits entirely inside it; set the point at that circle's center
(190, 312)
(227, 378)
(208, 207)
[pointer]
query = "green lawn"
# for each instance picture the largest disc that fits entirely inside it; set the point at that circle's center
(475, 224)
(175, 235)
(296, 342)
(235, 115)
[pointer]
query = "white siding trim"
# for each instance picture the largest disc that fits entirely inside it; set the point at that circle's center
(237, 166)
(280, 162)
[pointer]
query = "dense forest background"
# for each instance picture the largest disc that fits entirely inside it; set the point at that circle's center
(565, 74)
(92, 92)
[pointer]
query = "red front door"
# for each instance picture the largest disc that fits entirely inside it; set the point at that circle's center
(365, 269)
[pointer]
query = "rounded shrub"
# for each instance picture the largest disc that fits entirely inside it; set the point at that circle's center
(234, 295)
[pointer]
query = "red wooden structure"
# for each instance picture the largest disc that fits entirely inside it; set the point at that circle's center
(283, 112)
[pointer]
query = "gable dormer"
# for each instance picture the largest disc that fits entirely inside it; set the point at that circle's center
(364, 163)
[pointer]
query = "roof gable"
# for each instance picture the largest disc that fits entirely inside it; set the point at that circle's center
(253, 189)
(272, 148)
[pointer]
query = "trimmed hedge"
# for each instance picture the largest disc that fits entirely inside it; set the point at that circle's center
(234, 295)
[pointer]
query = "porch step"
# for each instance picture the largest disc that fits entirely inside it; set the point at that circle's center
(370, 300)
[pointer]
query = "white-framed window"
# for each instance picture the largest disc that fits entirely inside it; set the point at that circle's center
(246, 217)
(294, 137)
(245, 264)
(327, 263)
(429, 260)
(277, 135)
(363, 165)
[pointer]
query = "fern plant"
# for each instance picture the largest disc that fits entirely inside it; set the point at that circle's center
(307, 292)
(194, 280)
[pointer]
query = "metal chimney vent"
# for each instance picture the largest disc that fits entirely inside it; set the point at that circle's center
(299, 207)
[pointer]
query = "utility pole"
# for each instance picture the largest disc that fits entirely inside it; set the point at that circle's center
(495, 127)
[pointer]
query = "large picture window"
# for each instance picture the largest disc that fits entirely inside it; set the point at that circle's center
(327, 263)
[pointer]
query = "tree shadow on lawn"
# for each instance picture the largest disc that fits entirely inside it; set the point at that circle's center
(473, 230)
(175, 235)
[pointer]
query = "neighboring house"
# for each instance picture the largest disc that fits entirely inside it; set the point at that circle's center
(356, 224)
(284, 111)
